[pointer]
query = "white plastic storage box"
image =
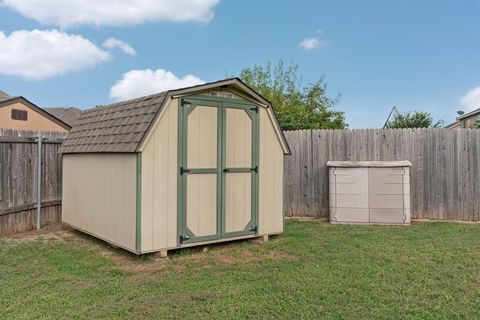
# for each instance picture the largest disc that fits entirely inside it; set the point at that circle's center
(364, 192)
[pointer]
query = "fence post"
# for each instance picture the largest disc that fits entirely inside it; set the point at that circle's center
(39, 180)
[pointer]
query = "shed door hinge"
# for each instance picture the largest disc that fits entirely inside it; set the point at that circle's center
(185, 103)
(184, 238)
(254, 109)
(183, 170)
(254, 169)
(253, 229)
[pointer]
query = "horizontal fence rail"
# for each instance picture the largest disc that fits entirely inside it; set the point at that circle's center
(18, 179)
(445, 176)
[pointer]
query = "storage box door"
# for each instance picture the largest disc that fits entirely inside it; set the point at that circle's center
(350, 195)
(386, 195)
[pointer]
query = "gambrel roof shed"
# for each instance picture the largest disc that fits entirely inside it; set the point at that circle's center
(176, 169)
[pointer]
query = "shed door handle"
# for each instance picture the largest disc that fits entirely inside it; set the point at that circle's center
(183, 170)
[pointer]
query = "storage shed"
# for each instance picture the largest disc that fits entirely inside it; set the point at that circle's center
(375, 192)
(176, 169)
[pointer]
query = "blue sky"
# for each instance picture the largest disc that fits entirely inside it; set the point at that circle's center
(377, 54)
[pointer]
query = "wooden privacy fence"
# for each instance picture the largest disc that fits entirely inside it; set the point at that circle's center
(445, 177)
(18, 179)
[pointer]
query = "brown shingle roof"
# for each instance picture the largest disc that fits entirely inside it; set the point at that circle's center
(5, 96)
(121, 127)
(117, 127)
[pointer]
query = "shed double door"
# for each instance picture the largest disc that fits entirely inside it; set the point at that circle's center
(218, 169)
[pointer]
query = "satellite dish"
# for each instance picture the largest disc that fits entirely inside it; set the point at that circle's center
(460, 112)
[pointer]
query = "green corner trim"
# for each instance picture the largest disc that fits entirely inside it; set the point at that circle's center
(138, 214)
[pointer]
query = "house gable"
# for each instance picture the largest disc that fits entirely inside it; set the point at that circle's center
(33, 117)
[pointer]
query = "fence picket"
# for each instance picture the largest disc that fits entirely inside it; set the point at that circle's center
(18, 179)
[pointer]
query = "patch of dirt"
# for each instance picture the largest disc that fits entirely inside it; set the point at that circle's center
(227, 253)
(279, 255)
(180, 267)
(52, 232)
(226, 259)
(248, 253)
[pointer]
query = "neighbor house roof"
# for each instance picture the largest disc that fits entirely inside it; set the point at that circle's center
(6, 100)
(453, 125)
(121, 127)
(5, 96)
(469, 114)
(67, 115)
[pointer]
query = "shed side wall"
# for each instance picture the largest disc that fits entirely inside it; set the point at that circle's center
(159, 183)
(99, 196)
(270, 172)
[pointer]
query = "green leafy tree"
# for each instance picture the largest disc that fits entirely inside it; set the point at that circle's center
(296, 107)
(476, 124)
(415, 119)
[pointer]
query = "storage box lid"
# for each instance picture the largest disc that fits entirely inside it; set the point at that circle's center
(363, 164)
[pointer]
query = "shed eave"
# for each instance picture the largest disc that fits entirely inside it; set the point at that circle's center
(236, 82)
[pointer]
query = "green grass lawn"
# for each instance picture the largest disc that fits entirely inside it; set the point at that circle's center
(314, 270)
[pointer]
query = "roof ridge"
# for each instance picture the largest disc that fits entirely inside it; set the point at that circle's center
(121, 103)
(123, 126)
(468, 113)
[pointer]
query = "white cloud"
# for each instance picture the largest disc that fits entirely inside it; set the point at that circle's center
(41, 54)
(112, 43)
(112, 12)
(137, 83)
(312, 43)
(471, 100)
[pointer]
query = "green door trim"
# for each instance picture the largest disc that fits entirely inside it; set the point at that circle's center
(185, 106)
(200, 97)
(252, 111)
(138, 204)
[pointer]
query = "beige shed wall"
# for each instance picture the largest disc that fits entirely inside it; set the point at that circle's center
(159, 183)
(270, 170)
(99, 192)
(35, 120)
